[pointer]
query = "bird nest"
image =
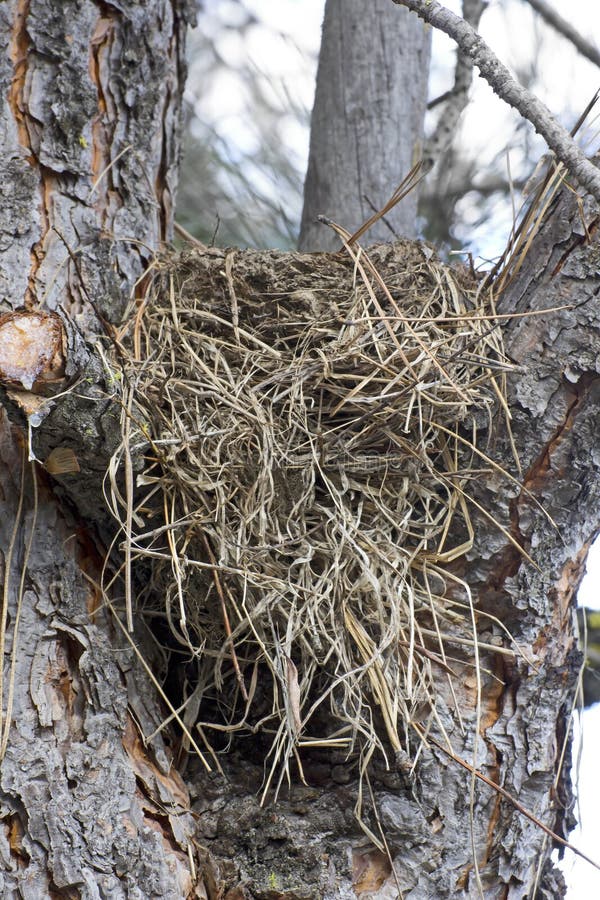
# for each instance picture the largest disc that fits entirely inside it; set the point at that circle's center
(309, 427)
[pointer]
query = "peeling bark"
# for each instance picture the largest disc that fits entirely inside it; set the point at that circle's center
(89, 104)
(87, 809)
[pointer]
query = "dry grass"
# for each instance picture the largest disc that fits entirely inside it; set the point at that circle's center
(309, 425)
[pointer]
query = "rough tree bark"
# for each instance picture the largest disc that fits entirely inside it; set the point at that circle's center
(367, 120)
(89, 106)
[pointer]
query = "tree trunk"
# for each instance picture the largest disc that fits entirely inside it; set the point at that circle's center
(90, 110)
(367, 120)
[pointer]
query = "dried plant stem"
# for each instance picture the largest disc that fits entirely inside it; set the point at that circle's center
(226, 623)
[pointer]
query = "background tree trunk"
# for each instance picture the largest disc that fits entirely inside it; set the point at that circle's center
(90, 107)
(367, 120)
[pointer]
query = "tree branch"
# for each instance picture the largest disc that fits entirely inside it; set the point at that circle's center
(455, 100)
(508, 89)
(551, 17)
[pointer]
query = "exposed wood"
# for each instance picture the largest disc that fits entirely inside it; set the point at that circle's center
(31, 350)
(89, 106)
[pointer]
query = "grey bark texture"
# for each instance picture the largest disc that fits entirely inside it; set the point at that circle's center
(89, 110)
(367, 120)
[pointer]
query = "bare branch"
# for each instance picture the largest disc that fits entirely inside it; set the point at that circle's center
(456, 99)
(508, 89)
(551, 17)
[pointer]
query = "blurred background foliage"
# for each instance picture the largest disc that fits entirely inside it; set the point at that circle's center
(248, 99)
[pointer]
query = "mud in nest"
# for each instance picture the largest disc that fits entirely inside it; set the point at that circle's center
(309, 425)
